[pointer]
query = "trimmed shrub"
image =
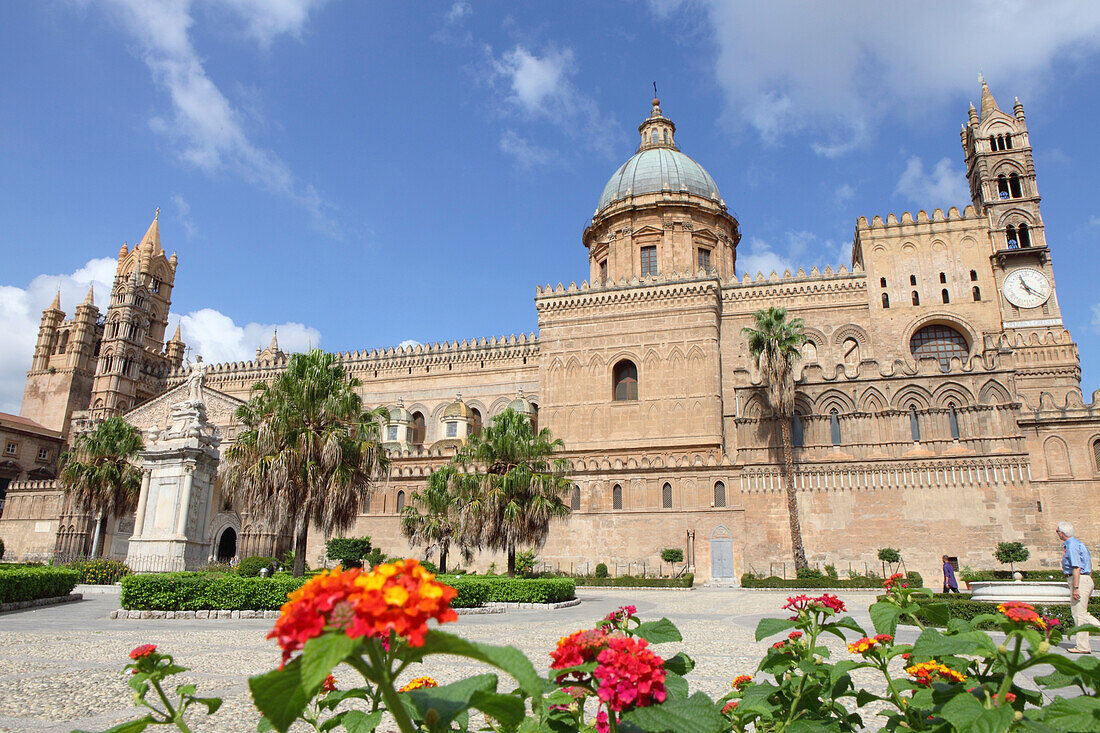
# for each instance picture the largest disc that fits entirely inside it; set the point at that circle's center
(100, 571)
(250, 567)
(981, 575)
(672, 554)
(1010, 553)
(350, 552)
(28, 584)
(804, 573)
(686, 580)
(430, 566)
(205, 592)
(889, 555)
(830, 570)
(748, 580)
(525, 562)
(512, 590)
(601, 570)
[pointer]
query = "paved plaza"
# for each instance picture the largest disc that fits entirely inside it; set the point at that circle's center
(60, 666)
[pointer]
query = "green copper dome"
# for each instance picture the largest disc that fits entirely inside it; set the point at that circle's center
(656, 170)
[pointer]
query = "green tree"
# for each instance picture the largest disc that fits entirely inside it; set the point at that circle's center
(509, 486)
(100, 473)
(1010, 553)
(774, 344)
(431, 517)
(309, 451)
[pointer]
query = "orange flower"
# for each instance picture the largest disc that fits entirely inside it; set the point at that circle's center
(924, 672)
(329, 685)
(1023, 613)
(419, 683)
(143, 651)
(740, 681)
(861, 646)
(400, 597)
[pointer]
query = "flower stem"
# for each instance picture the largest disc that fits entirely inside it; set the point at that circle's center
(385, 686)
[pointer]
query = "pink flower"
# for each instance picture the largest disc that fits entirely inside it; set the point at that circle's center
(630, 675)
(143, 651)
(602, 726)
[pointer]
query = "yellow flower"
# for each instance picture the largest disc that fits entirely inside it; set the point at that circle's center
(419, 683)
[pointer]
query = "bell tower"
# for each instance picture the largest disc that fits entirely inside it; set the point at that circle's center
(1001, 171)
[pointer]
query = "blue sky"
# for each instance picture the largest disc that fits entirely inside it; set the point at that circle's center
(362, 174)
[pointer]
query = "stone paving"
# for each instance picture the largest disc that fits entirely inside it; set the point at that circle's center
(60, 666)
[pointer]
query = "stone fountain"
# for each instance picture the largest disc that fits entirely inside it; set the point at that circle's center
(1029, 591)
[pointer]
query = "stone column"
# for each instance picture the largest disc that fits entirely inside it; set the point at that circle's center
(185, 502)
(143, 501)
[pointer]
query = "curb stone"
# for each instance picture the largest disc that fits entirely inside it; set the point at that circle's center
(221, 615)
(37, 602)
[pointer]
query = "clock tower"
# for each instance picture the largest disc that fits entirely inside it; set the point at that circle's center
(1001, 171)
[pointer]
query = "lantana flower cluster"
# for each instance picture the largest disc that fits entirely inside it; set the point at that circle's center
(399, 597)
(1023, 613)
(865, 645)
(897, 580)
(629, 674)
(808, 603)
(926, 672)
(577, 648)
(418, 684)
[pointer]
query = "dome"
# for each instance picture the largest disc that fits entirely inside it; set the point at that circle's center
(522, 405)
(655, 170)
(457, 409)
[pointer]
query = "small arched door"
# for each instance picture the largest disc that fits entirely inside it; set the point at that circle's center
(721, 553)
(227, 545)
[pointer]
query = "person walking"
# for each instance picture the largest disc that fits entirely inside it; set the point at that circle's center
(1077, 567)
(950, 585)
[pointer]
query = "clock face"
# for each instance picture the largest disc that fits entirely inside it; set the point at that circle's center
(1027, 288)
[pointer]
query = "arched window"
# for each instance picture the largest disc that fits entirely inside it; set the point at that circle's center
(941, 342)
(834, 426)
(1002, 187)
(575, 499)
(882, 282)
(1025, 236)
(400, 501)
(475, 422)
(666, 496)
(797, 437)
(1008, 141)
(914, 424)
(992, 143)
(1096, 454)
(943, 277)
(912, 279)
(534, 419)
(885, 300)
(850, 351)
(945, 296)
(64, 344)
(617, 497)
(1014, 186)
(973, 276)
(953, 421)
(916, 298)
(720, 493)
(416, 429)
(1010, 235)
(625, 381)
(977, 292)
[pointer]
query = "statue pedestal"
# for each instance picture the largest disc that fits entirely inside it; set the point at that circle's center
(175, 506)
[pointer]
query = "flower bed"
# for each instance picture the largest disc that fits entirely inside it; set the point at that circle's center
(687, 580)
(100, 571)
(32, 583)
(961, 607)
(477, 590)
(749, 580)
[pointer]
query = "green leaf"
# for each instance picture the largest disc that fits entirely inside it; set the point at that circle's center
(997, 720)
(280, 695)
(962, 710)
(183, 690)
(507, 709)
(675, 686)
(933, 644)
(265, 725)
(681, 664)
(696, 714)
(1073, 714)
(320, 656)
(332, 699)
(212, 703)
(356, 721)
(449, 700)
(934, 614)
(884, 616)
(505, 658)
(133, 726)
(658, 632)
(771, 626)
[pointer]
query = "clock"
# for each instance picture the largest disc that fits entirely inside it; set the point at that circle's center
(1026, 288)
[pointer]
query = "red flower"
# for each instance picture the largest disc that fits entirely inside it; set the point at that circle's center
(729, 707)
(740, 681)
(884, 638)
(329, 685)
(831, 602)
(779, 645)
(143, 651)
(794, 635)
(1021, 612)
(622, 612)
(797, 603)
(602, 725)
(398, 597)
(895, 580)
(1010, 697)
(630, 675)
(578, 648)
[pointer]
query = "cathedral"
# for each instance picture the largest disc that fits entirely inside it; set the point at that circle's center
(938, 404)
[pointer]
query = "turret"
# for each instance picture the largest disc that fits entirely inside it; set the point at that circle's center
(47, 334)
(82, 344)
(174, 350)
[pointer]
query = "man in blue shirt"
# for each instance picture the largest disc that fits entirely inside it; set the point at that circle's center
(1077, 567)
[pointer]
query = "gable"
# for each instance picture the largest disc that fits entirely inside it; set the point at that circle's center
(220, 409)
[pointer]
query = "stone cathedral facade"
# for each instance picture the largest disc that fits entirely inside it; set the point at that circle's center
(939, 404)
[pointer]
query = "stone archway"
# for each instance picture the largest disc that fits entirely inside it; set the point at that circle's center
(721, 554)
(227, 545)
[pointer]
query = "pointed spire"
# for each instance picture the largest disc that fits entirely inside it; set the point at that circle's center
(123, 251)
(657, 130)
(152, 235)
(56, 304)
(176, 339)
(989, 104)
(89, 299)
(274, 345)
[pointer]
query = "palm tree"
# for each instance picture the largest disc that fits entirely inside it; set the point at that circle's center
(774, 345)
(100, 473)
(438, 524)
(509, 486)
(309, 451)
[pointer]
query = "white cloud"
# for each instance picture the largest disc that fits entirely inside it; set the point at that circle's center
(183, 215)
(409, 344)
(800, 249)
(208, 132)
(945, 185)
(760, 258)
(458, 11)
(844, 193)
(21, 313)
(526, 154)
(1094, 221)
(836, 71)
(219, 339)
(540, 88)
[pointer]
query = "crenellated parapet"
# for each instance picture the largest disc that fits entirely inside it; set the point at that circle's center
(658, 288)
(1072, 407)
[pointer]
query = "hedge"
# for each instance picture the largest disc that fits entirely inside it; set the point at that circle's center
(686, 580)
(205, 592)
(984, 575)
(749, 580)
(31, 583)
(250, 567)
(964, 608)
(509, 590)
